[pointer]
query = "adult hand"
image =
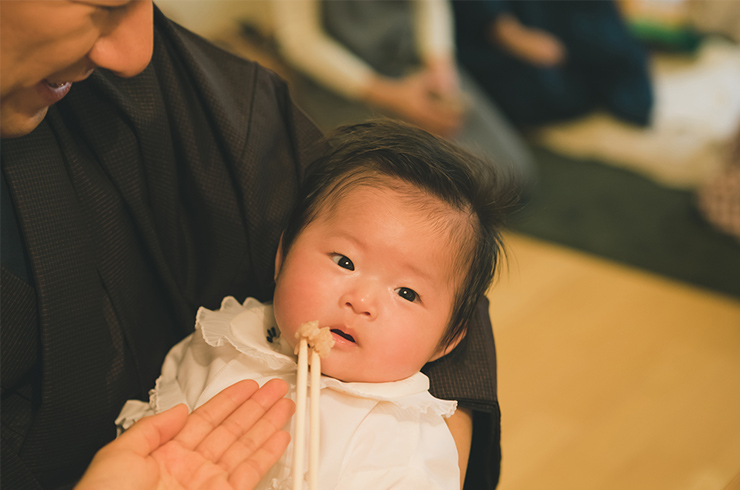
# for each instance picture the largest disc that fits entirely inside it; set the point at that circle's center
(411, 99)
(442, 78)
(229, 442)
(534, 46)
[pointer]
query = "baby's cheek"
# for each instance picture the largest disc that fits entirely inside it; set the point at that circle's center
(397, 361)
(411, 354)
(291, 311)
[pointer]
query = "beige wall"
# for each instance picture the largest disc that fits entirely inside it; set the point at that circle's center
(210, 18)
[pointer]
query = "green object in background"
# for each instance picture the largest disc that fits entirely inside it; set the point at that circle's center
(677, 39)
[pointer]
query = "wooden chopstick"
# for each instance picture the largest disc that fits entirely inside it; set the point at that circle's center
(313, 452)
(299, 443)
(321, 344)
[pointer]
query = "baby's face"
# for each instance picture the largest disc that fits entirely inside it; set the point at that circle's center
(380, 273)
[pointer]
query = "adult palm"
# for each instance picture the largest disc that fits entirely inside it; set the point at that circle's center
(230, 442)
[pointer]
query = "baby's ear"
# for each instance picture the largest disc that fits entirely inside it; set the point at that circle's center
(444, 350)
(279, 256)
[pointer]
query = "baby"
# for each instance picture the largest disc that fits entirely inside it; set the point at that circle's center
(394, 239)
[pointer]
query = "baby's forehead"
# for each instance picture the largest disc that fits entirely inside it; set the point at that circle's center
(448, 222)
(402, 191)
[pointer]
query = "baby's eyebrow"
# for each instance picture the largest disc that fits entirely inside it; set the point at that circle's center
(423, 273)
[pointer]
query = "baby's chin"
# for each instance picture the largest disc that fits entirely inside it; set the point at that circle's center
(353, 374)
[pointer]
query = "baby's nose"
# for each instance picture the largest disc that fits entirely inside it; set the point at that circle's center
(362, 300)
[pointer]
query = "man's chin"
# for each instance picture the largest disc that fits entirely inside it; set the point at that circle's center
(14, 124)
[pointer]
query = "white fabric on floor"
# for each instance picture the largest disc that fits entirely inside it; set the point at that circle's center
(696, 116)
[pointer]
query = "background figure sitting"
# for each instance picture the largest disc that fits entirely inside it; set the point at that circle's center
(545, 61)
(357, 59)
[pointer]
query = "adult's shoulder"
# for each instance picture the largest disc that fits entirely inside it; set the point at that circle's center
(236, 93)
(217, 74)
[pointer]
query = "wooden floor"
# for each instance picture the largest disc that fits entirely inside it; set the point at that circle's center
(613, 378)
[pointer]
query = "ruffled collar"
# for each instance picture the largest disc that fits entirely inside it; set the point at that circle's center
(250, 328)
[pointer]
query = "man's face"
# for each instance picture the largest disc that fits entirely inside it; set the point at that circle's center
(379, 269)
(45, 46)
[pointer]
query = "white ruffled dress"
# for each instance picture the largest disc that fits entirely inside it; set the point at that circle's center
(373, 435)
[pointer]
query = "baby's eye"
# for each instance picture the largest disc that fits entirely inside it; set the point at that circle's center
(343, 262)
(407, 294)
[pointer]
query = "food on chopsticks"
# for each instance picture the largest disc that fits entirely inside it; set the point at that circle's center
(319, 339)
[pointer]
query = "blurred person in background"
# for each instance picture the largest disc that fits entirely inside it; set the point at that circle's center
(546, 61)
(358, 58)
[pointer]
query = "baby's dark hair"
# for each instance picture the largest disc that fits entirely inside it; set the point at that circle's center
(372, 152)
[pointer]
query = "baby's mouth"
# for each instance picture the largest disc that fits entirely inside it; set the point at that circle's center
(344, 335)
